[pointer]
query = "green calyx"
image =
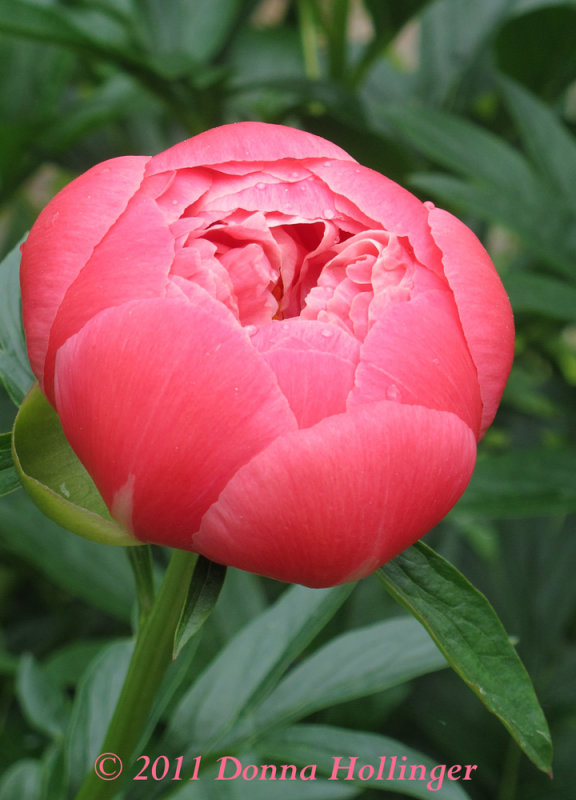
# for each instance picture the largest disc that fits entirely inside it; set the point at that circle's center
(54, 477)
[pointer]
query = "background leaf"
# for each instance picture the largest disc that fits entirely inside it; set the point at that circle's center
(44, 704)
(323, 745)
(251, 664)
(99, 575)
(522, 484)
(15, 371)
(9, 480)
(369, 660)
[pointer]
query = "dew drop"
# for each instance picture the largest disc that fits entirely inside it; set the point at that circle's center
(393, 392)
(260, 185)
(328, 213)
(326, 333)
(250, 329)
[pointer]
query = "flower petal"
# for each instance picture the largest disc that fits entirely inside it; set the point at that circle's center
(416, 353)
(314, 364)
(132, 261)
(331, 503)
(482, 304)
(163, 400)
(63, 239)
(383, 201)
(245, 141)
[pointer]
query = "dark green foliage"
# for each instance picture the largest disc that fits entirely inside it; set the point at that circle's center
(469, 103)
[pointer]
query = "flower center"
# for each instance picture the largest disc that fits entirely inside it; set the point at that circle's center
(272, 265)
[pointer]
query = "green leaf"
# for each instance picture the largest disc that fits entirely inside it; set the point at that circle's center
(319, 789)
(468, 632)
(53, 773)
(184, 33)
(539, 220)
(522, 483)
(454, 35)
(22, 779)
(42, 702)
(334, 750)
(369, 660)
(537, 48)
(99, 575)
(551, 146)
(54, 477)
(251, 665)
(84, 29)
(242, 598)
(539, 294)
(9, 480)
(203, 593)
(463, 147)
(15, 371)
(94, 704)
(65, 666)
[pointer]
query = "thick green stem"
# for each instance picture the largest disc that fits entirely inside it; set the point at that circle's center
(152, 656)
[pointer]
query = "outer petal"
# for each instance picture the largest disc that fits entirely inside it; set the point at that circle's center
(416, 353)
(132, 261)
(331, 503)
(163, 400)
(245, 141)
(482, 303)
(62, 240)
(314, 364)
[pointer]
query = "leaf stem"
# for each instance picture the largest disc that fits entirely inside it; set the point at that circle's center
(152, 656)
(338, 39)
(309, 38)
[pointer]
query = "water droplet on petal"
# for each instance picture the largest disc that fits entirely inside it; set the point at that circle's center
(393, 392)
(328, 213)
(260, 185)
(326, 333)
(250, 329)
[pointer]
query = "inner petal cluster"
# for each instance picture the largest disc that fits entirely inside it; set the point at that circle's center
(266, 265)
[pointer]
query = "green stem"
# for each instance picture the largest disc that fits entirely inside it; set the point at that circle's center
(339, 39)
(309, 38)
(509, 782)
(152, 656)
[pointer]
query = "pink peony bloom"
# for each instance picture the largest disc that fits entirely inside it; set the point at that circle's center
(264, 352)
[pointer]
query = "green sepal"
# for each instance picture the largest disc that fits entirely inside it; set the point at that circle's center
(142, 565)
(203, 592)
(54, 477)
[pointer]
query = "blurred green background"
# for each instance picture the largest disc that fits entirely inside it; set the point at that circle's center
(471, 103)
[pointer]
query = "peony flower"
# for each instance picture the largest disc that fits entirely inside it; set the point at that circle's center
(265, 353)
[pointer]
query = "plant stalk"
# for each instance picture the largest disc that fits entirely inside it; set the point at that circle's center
(152, 656)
